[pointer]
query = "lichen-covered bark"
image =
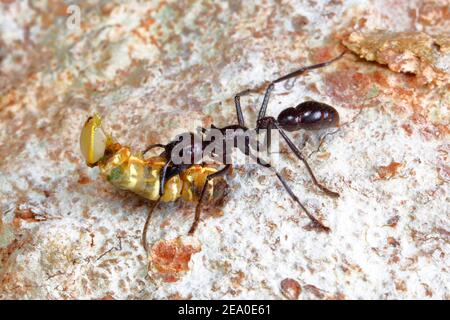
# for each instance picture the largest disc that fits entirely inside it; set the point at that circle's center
(158, 68)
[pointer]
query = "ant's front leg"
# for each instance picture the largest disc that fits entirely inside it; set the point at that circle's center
(198, 208)
(237, 103)
(169, 171)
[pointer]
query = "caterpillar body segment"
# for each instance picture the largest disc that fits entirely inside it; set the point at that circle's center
(142, 176)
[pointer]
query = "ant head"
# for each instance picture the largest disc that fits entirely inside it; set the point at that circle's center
(93, 140)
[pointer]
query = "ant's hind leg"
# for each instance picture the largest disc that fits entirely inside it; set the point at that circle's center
(299, 155)
(198, 208)
(295, 198)
(147, 222)
(292, 194)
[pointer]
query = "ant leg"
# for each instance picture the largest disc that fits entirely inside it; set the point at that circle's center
(163, 177)
(262, 111)
(297, 152)
(293, 196)
(198, 208)
(237, 103)
(311, 67)
(267, 142)
(152, 146)
(269, 138)
(147, 221)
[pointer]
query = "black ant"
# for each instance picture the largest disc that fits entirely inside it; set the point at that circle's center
(163, 179)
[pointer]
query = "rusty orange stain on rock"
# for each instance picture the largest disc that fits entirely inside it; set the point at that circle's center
(291, 289)
(318, 293)
(83, 178)
(147, 22)
(400, 286)
(392, 242)
(7, 251)
(380, 78)
(109, 296)
(237, 279)
(389, 171)
(107, 8)
(28, 215)
(392, 222)
(322, 54)
(170, 258)
(178, 296)
(428, 291)
(432, 13)
(407, 129)
(348, 86)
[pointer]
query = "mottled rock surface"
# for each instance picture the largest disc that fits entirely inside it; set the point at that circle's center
(159, 68)
(424, 55)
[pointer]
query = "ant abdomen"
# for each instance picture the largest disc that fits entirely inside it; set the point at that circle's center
(309, 115)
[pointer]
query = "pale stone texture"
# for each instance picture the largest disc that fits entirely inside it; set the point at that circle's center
(159, 68)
